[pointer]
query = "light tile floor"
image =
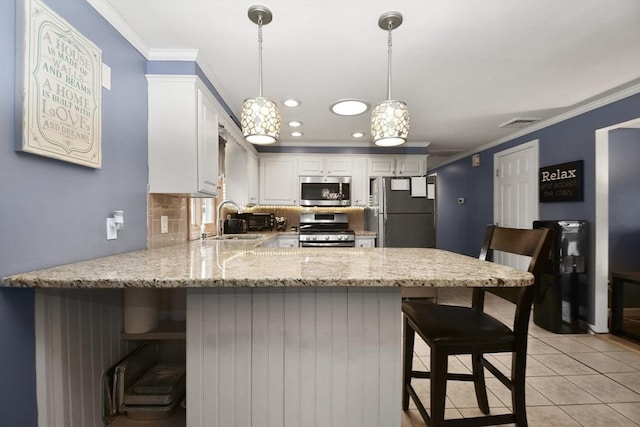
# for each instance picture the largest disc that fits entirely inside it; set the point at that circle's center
(572, 380)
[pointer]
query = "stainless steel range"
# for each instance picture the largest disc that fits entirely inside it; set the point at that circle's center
(322, 230)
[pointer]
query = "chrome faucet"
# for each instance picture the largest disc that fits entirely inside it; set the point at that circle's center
(219, 214)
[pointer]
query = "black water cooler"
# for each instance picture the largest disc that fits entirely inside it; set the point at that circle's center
(561, 301)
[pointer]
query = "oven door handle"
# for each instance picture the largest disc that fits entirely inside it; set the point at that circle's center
(327, 244)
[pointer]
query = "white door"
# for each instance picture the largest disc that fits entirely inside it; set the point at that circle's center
(516, 193)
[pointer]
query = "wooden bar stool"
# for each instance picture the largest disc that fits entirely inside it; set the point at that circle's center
(452, 330)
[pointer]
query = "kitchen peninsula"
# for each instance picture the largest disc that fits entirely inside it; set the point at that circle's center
(295, 336)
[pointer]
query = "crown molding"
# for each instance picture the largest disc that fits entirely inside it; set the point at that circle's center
(188, 55)
(584, 108)
(343, 144)
(116, 20)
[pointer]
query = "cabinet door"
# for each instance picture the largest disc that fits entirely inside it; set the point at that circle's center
(288, 242)
(411, 165)
(207, 145)
(360, 182)
(381, 166)
(235, 182)
(338, 166)
(252, 176)
(278, 181)
(311, 166)
(365, 242)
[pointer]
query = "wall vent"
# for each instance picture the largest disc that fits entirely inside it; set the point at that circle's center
(520, 122)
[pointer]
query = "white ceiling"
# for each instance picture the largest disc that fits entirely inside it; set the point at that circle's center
(462, 66)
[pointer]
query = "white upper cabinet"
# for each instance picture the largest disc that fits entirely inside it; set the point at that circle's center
(254, 177)
(394, 165)
(382, 165)
(241, 169)
(183, 136)
(309, 165)
(279, 180)
(411, 165)
(359, 182)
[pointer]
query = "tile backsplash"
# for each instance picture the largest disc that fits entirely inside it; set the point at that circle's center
(176, 210)
(356, 215)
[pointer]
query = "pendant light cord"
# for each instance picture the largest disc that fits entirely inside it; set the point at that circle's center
(389, 44)
(260, 56)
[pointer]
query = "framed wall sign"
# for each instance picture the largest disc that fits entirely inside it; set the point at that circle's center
(562, 182)
(62, 89)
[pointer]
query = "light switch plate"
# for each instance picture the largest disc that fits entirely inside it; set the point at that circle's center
(164, 224)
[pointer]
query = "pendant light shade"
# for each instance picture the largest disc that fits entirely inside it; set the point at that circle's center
(390, 123)
(390, 119)
(260, 119)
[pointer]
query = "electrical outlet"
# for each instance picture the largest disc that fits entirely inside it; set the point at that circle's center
(164, 224)
(112, 231)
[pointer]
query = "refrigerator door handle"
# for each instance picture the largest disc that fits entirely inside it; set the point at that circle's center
(382, 233)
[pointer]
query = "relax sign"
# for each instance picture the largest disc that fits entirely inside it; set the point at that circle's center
(562, 182)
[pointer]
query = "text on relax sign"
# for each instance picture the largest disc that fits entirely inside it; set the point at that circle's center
(558, 174)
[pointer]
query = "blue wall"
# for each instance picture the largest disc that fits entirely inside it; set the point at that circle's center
(624, 200)
(460, 227)
(54, 212)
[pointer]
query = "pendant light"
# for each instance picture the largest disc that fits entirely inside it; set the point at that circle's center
(390, 119)
(260, 119)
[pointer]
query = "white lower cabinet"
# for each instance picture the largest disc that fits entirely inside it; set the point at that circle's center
(330, 356)
(365, 242)
(288, 241)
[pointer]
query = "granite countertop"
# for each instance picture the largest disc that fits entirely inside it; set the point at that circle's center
(243, 263)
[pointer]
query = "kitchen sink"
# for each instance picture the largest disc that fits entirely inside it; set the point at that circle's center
(238, 237)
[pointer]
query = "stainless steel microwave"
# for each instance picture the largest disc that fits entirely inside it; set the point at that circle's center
(325, 191)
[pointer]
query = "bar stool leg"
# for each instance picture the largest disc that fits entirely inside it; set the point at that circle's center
(519, 367)
(479, 383)
(438, 383)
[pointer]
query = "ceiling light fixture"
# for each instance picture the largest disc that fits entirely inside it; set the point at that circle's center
(295, 124)
(296, 133)
(349, 107)
(291, 102)
(357, 134)
(260, 119)
(390, 119)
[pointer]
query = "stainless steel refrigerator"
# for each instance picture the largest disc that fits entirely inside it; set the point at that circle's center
(402, 211)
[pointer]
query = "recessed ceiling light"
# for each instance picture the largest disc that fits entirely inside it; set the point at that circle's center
(295, 124)
(357, 134)
(349, 107)
(296, 133)
(291, 102)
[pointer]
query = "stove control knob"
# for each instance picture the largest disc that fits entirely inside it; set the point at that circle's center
(314, 238)
(326, 237)
(342, 237)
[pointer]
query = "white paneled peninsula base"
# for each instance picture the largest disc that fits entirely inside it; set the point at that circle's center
(275, 336)
(294, 357)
